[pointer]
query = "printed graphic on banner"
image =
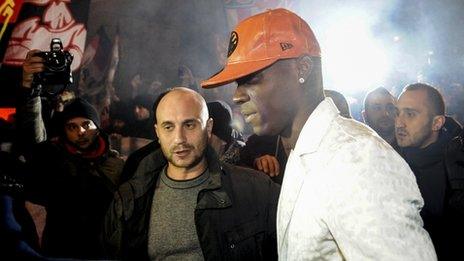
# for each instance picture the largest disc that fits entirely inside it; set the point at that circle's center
(36, 32)
(9, 11)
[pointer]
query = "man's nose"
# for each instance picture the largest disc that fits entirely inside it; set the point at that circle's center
(385, 112)
(179, 136)
(240, 95)
(81, 130)
(399, 122)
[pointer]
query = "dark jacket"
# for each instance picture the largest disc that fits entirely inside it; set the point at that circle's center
(76, 193)
(455, 169)
(234, 216)
(455, 198)
(428, 165)
(257, 146)
(74, 187)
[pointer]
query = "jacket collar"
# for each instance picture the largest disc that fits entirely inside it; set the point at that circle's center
(428, 156)
(216, 196)
(316, 127)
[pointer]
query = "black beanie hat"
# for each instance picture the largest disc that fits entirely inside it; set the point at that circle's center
(80, 108)
(221, 114)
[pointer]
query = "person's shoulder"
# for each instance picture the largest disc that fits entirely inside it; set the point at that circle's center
(351, 134)
(354, 129)
(249, 185)
(141, 157)
(240, 170)
(247, 176)
(142, 152)
(354, 143)
(138, 178)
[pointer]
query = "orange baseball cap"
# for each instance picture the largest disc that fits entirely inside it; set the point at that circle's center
(261, 40)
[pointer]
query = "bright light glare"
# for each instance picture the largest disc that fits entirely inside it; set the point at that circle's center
(352, 58)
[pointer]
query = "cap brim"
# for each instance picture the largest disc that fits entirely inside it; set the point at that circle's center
(234, 71)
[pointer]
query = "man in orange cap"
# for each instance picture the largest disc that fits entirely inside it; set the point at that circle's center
(346, 193)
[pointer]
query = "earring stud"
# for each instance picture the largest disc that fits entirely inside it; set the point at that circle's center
(301, 80)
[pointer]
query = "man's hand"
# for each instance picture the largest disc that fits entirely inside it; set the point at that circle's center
(267, 164)
(32, 64)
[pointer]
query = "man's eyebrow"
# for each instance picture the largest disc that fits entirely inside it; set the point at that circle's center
(183, 122)
(409, 109)
(190, 120)
(164, 123)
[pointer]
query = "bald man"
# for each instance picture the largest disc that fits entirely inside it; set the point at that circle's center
(183, 204)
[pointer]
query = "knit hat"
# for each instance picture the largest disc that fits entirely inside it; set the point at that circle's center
(221, 114)
(79, 108)
(263, 39)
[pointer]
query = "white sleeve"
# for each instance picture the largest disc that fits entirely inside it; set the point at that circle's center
(373, 213)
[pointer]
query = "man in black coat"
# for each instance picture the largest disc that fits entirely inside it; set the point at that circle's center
(182, 203)
(73, 175)
(423, 133)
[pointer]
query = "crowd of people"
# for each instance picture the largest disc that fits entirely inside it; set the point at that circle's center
(310, 183)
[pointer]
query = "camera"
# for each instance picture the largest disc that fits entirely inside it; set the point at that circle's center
(57, 72)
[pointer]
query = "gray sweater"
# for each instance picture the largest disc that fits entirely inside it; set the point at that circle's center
(172, 233)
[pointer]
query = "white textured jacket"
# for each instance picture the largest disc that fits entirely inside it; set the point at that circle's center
(347, 195)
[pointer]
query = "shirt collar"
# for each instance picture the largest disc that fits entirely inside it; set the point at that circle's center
(316, 127)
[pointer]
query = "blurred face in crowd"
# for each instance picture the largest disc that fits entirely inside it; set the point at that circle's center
(81, 132)
(141, 113)
(380, 113)
(183, 128)
(186, 76)
(136, 81)
(265, 97)
(414, 122)
(118, 124)
(155, 87)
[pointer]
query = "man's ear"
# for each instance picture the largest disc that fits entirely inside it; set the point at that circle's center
(305, 67)
(364, 116)
(155, 126)
(438, 122)
(209, 127)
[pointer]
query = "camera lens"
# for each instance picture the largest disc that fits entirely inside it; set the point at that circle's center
(56, 61)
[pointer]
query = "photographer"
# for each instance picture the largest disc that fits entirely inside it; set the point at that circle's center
(73, 175)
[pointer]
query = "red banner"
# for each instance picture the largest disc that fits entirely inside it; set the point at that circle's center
(38, 22)
(7, 114)
(9, 11)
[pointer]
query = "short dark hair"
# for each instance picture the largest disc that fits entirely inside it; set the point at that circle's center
(437, 103)
(340, 101)
(378, 90)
